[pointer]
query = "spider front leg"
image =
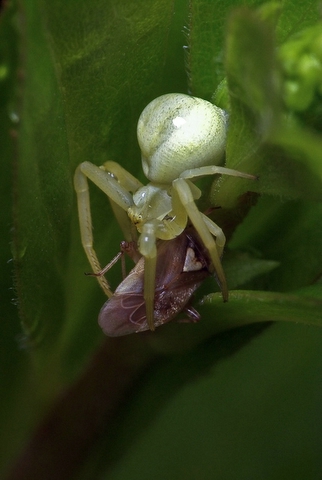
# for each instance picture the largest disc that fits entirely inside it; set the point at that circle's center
(148, 249)
(107, 179)
(215, 170)
(202, 223)
(131, 184)
(185, 198)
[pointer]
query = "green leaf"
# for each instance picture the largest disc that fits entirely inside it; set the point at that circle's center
(89, 95)
(265, 306)
(75, 78)
(242, 268)
(263, 139)
(230, 418)
(15, 364)
(288, 233)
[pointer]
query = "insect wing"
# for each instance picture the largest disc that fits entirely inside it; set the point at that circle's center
(181, 268)
(124, 313)
(179, 286)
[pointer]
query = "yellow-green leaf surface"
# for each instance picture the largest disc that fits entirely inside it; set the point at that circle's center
(217, 399)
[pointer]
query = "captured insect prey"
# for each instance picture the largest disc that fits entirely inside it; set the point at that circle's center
(182, 138)
(182, 265)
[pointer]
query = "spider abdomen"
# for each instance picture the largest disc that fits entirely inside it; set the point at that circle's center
(177, 132)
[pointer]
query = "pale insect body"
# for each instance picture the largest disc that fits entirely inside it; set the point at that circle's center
(182, 138)
(182, 265)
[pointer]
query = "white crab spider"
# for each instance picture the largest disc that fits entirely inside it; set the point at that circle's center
(181, 138)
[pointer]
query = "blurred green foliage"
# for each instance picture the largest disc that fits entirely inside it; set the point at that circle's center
(231, 397)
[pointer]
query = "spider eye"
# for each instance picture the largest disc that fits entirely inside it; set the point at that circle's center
(177, 132)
